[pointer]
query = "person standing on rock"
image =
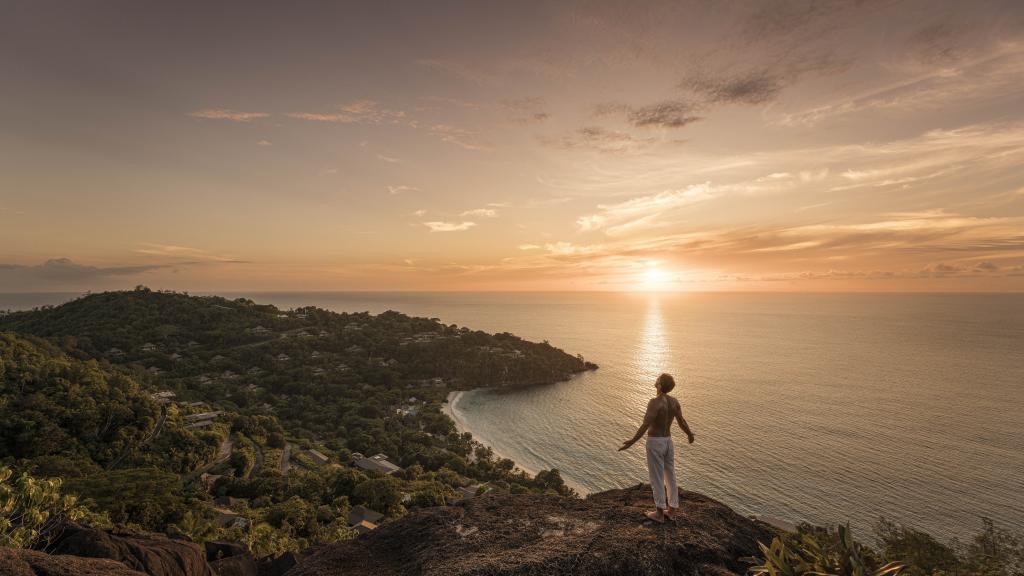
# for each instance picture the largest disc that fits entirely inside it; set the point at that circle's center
(661, 410)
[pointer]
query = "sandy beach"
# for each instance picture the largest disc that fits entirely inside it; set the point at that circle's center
(451, 409)
(448, 408)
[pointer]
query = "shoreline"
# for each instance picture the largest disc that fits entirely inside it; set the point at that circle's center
(448, 408)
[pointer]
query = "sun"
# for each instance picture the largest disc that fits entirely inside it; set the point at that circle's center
(653, 278)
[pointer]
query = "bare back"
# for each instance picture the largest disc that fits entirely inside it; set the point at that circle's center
(661, 410)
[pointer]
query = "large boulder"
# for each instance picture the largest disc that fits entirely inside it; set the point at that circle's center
(604, 534)
(154, 554)
(230, 559)
(18, 562)
(242, 565)
(216, 550)
(278, 566)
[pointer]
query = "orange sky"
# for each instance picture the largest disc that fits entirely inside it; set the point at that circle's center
(790, 145)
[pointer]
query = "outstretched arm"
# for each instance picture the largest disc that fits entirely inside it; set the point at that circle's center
(682, 423)
(643, 428)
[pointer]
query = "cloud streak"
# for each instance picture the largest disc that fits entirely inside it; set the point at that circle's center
(437, 226)
(228, 114)
(642, 212)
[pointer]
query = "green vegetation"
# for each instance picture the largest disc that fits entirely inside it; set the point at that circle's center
(824, 552)
(31, 508)
(900, 550)
(151, 405)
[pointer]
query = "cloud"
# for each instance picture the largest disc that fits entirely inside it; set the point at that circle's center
(459, 136)
(599, 139)
(933, 270)
(400, 189)
(939, 86)
(449, 226)
(642, 212)
(753, 87)
(359, 111)
(484, 212)
(63, 269)
(264, 143)
(929, 244)
(64, 273)
(372, 112)
(227, 114)
(389, 159)
(420, 212)
(175, 251)
(668, 114)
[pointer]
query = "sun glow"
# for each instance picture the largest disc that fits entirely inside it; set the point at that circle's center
(653, 278)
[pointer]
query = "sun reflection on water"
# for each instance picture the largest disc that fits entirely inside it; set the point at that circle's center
(652, 350)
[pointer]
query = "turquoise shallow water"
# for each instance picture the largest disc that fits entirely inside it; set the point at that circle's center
(813, 407)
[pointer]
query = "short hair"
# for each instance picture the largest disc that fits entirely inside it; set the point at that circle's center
(666, 382)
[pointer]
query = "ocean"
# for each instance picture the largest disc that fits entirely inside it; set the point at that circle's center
(806, 407)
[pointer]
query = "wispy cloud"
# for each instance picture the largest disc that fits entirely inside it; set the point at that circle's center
(668, 114)
(752, 87)
(449, 226)
(402, 189)
(64, 269)
(481, 212)
(175, 251)
(462, 137)
(642, 212)
(359, 111)
(601, 140)
(993, 74)
(372, 112)
(228, 114)
(64, 273)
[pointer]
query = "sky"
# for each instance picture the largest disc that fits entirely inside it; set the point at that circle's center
(800, 145)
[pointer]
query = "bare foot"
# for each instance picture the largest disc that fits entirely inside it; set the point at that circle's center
(656, 515)
(670, 514)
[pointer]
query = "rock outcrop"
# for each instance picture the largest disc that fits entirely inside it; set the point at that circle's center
(604, 534)
(17, 562)
(153, 554)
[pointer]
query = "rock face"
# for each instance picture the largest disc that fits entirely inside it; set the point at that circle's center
(230, 559)
(14, 562)
(604, 534)
(154, 554)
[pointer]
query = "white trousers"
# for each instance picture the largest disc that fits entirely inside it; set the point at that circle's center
(661, 463)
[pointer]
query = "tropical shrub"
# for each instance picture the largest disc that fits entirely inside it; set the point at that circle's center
(32, 508)
(821, 553)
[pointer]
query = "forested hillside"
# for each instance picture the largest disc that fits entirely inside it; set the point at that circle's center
(225, 418)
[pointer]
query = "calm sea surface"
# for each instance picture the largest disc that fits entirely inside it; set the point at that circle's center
(824, 408)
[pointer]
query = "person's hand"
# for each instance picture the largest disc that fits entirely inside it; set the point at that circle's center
(626, 445)
(690, 437)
